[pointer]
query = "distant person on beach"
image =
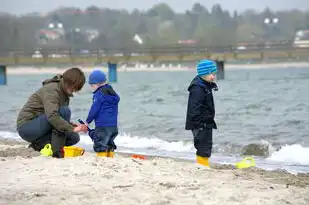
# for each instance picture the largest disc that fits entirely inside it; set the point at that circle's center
(104, 112)
(201, 110)
(45, 118)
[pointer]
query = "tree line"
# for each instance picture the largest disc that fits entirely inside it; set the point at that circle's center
(157, 26)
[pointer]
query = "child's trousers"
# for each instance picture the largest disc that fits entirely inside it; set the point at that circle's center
(203, 141)
(103, 138)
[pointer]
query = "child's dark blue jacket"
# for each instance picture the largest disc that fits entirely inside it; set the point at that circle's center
(104, 109)
(201, 107)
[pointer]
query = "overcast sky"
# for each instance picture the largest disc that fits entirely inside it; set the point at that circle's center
(27, 6)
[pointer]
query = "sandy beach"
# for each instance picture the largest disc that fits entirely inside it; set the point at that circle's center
(26, 178)
(28, 70)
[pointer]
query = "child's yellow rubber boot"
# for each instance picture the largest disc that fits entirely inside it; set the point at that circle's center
(102, 154)
(202, 160)
(110, 154)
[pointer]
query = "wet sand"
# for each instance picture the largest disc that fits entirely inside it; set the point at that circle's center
(27, 178)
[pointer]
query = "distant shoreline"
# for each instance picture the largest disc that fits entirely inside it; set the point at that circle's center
(31, 70)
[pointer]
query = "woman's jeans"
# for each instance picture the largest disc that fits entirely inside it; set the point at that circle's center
(39, 131)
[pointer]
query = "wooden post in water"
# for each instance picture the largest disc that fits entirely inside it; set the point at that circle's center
(112, 72)
(3, 80)
(220, 67)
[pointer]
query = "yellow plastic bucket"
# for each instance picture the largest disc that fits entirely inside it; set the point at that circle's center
(245, 163)
(47, 151)
(72, 151)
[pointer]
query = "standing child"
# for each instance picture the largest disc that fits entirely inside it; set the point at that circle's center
(201, 110)
(104, 112)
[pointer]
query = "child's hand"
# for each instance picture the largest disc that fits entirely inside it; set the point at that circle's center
(82, 122)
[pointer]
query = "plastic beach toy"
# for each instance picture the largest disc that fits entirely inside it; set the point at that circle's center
(136, 156)
(245, 163)
(72, 151)
(46, 151)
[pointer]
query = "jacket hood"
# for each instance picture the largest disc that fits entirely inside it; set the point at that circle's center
(55, 79)
(197, 81)
(109, 93)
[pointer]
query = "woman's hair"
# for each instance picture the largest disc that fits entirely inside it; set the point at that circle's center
(74, 78)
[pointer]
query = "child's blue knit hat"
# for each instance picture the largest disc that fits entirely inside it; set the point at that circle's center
(97, 77)
(206, 67)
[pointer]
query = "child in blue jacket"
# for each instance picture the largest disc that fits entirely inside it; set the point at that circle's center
(201, 110)
(104, 112)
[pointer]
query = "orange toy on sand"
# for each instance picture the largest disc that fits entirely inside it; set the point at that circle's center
(138, 156)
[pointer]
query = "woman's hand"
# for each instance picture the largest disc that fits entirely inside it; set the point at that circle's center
(80, 128)
(74, 124)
